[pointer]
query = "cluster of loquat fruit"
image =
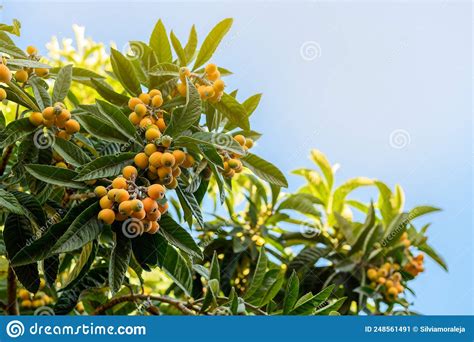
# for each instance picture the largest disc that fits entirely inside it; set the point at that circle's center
(146, 111)
(210, 86)
(414, 265)
(232, 164)
(388, 278)
(57, 118)
(22, 75)
(124, 199)
(34, 301)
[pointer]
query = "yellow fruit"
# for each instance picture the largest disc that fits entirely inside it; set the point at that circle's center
(100, 191)
(382, 272)
(214, 76)
(5, 74)
(3, 94)
(179, 157)
(133, 102)
(120, 217)
(141, 160)
(172, 184)
(188, 161)
(27, 304)
(140, 109)
(125, 208)
(163, 208)
(31, 50)
(119, 183)
(154, 228)
(218, 85)
(229, 174)
(210, 68)
(145, 122)
(139, 214)
(72, 126)
(150, 205)
(21, 76)
(145, 98)
(381, 280)
(41, 72)
(129, 172)
(152, 134)
(106, 203)
(24, 294)
(49, 123)
(181, 89)
(371, 274)
(202, 90)
(176, 172)
(154, 215)
(150, 149)
(134, 118)
(154, 92)
(392, 291)
(235, 164)
(167, 159)
(183, 73)
(121, 195)
(166, 141)
(136, 205)
(157, 101)
(240, 139)
(64, 116)
(36, 118)
(161, 124)
(107, 216)
(248, 142)
(61, 134)
(389, 283)
(111, 194)
(164, 172)
(48, 113)
(156, 191)
(155, 159)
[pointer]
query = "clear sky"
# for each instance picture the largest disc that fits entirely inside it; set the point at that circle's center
(382, 69)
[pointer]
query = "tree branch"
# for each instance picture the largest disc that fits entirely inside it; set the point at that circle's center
(12, 306)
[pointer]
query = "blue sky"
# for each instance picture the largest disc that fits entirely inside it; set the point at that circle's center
(383, 69)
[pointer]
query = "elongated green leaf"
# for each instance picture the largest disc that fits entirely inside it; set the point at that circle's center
(223, 141)
(82, 266)
(119, 260)
(265, 170)
(308, 303)
(191, 45)
(343, 190)
(100, 128)
(334, 306)
(108, 93)
(303, 203)
(160, 44)
(178, 48)
(106, 166)
(181, 120)
(118, 119)
(212, 41)
(31, 206)
(14, 131)
(189, 203)
(291, 293)
(433, 255)
(71, 153)
(258, 275)
(395, 229)
(27, 63)
(252, 103)
(273, 289)
(421, 210)
(178, 236)
(9, 203)
(14, 28)
(215, 272)
(16, 234)
(54, 175)
(62, 83)
(320, 159)
(12, 50)
(41, 93)
(83, 229)
(233, 111)
(125, 72)
(79, 74)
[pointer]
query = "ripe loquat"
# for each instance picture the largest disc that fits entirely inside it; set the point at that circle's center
(107, 216)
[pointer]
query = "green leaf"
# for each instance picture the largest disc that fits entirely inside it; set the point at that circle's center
(273, 289)
(191, 45)
(82, 265)
(62, 83)
(291, 293)
(252, 103)
(9, 202)
(119, 260)
(33, 209)
(395, 229)
(421, 210)
(181, 120)
(100, 128)
(41, 93)
(320, 159)
(83, 229)
(307, 303)
(118, 119)
(333, 307)
(265, 170)
(106, 166)
(215, 272)
(40, 248)
(178, 48)
(125, 72)
(14, 28)
(178, 236)
(223, 141)
(258, 275)
(233, 111)
(71, 153)
(160, 44)
(343, 190)
(433, 255)
(304, 203)
(16, 234)
(54, 175)
(188, 201)
(79, 74)
(27, 63)
(210, 298)
(15, 131)
(212, 41)
(12, 50)
(108, 93)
